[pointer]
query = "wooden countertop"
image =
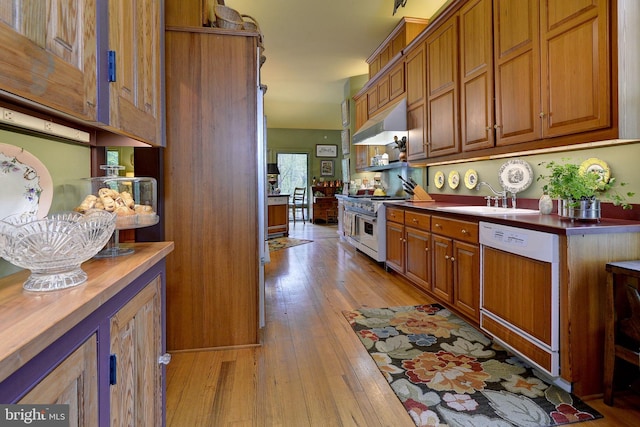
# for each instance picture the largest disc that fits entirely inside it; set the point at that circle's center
(31, 321)
(546, 223)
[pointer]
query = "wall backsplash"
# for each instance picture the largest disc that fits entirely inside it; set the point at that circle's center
(65, 162)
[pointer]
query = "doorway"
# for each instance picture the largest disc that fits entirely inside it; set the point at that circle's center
(293, 171)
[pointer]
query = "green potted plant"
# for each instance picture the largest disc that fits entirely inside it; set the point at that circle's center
(580, 191)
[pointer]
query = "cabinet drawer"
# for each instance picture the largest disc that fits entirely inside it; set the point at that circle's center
(460, 230)
(417, 220)
(395, 215)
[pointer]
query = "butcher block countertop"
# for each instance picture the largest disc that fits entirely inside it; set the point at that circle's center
(547, 223)
(31, 321)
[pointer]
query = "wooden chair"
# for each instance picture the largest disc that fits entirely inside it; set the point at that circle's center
(298, 201)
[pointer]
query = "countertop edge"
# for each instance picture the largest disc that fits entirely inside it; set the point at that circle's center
(547, 223)
(33, 321)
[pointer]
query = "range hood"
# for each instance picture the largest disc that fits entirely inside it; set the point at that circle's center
(381, 128)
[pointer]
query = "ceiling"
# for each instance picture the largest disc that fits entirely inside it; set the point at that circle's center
(314, 46)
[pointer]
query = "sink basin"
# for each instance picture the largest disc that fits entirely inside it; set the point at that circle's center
(488, 210)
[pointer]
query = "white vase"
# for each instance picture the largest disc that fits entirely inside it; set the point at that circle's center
(545, 204)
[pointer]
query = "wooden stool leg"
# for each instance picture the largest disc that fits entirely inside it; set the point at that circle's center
(609, 342)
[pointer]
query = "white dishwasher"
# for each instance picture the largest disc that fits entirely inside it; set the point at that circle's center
(519, 292)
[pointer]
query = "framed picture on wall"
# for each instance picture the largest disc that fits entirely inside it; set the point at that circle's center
(326, 150)
(346, 143)
(326, 168)
(345, 113)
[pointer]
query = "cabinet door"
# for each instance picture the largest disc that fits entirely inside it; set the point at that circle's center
(418, 259)
(395, 246)
(416, 143)
(476, 75)
(372, 101)
(416, 79)
(75, 383)
(50, 54)
(466, 279)
(442, 90)
(384, 91)
(442, 283)
(576, 64)
(135, 96)
(361, 111)
(396, 81)
(136, 342)
(517, 70)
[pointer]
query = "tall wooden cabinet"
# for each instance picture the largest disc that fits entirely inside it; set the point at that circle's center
(211, 187)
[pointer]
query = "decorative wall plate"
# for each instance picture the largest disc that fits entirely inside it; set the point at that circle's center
(26, 187)
(454, 179)
(438, 179)
(471, 179)
(598, 166)
(515, 175)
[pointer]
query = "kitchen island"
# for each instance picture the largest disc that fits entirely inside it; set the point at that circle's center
(102, 338)
(583, 249)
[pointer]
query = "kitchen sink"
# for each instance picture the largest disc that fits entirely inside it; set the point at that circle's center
(488, 210)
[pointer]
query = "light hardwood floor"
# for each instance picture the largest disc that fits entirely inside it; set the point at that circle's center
(311, 369)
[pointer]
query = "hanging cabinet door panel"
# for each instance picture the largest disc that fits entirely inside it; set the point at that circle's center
(49, 54)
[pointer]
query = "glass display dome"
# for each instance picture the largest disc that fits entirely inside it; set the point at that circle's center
(132, 199)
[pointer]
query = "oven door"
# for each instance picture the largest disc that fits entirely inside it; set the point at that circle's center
(367, 232)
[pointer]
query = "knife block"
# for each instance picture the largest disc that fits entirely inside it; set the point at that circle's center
(419, 195)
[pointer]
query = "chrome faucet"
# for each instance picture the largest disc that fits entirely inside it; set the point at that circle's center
(498, 195)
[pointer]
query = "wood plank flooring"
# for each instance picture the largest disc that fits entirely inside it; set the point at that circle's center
(311, 369)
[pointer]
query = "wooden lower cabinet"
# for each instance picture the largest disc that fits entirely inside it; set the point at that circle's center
(136, 342)
(277, 215)
(77, 369)
(75, 383)
(439, 255)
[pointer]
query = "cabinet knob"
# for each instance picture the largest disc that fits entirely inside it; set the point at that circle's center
(414, 220)
(164, 359)
(464, 231)
(437, 225)
(488, 127)
(452, 259)
(446, 257)
(542, 114)
(497, 126)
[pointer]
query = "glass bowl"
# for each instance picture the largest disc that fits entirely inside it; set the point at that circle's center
(53, 248)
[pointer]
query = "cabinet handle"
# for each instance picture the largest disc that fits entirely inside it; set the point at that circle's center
(464, 231)
(164, 359)
(426, 249)
(452, 259)
(414, 220)
(488, 127)
(437, 225)
(542, 114)
(497, 126)
(446, 257)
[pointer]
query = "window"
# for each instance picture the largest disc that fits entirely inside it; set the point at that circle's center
(293, 171)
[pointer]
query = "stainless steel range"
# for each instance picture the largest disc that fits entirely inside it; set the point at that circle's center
(364, 224)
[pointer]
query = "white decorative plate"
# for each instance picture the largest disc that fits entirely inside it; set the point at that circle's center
(438, 179)
(454, 179)
(598, 166)
(26, 187)
(515, 175)
(471, 179)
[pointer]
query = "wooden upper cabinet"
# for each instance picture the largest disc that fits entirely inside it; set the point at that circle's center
(552, 68)
(135, 95)
(442, 89)
(576, 66)
(50, 54)
(372, 100)
(476, 75)
(517, 70)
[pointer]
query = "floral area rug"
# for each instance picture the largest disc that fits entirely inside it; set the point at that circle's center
(284, 243)
(446, 372)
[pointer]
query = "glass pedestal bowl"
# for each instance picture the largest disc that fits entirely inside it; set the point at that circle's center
(53, 248)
